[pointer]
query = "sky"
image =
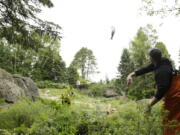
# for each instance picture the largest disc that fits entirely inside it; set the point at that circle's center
(88, 23)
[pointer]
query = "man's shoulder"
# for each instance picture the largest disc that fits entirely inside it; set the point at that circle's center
(164, 68)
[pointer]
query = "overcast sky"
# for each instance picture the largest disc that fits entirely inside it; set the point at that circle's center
(87, 23)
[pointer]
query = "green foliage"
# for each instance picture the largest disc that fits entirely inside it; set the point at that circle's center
(83, 81)
(44, 64)
(125, 67)
(143, 85)
(111, 84)
(85, 61)
(44, 117)
(23, 113)
(15, 59)
(6, 56)
(163, 49)
(50, 84)
(96, 89)
(4, 132)
(19, 21)
(146, 38)
(44, 127)
(72, 75)
(139, 48)
(164, 8)
(1, 103)
(21, 130)
(67, 96)
(136, 57)
(29, 45)
(49, 65)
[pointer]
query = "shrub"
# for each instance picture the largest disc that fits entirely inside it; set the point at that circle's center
(49, 84)
(1, 101)
(4, 132)
(48, 117)
(129, 121)
(96, 89)
(44, 127)
(72, 75)
(24, 112)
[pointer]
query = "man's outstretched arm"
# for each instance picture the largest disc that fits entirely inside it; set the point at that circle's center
(139, 72)
(144, 70)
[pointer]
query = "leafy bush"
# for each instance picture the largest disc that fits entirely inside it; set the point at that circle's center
(44, 127)
(48, 117)
(1, 101)
(4, 132)
(72, 75)
(49, 84)
(140, 94)
(96, 89)
(24, 112)
(129, 121)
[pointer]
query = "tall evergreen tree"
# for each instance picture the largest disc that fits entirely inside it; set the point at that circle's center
(145, 39)
(125, 67)
(163, 49)
(139, 47)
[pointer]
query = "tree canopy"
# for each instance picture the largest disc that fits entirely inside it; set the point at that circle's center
(163, 48)
(166, 7)
(135, 57)
(85, 61)
(19, 22)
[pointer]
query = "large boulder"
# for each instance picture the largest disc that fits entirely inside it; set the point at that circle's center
(13, 88)
(10, 91)
(110, 93)
(27, 84)
(5, 75)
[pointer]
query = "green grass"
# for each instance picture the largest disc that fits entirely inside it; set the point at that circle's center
(54, 92)
(86, 103)
(85, 116)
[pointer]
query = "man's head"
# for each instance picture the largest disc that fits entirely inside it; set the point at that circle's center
(155, 55)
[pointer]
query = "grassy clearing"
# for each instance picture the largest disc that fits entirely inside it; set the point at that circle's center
(84, 116)
(84, 101)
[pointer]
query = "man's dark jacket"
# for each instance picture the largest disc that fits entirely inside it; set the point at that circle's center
(163, 75)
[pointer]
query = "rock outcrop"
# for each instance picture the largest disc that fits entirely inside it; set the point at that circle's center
(15, 87)
(10, 91)
(109, 93)
(27, 84)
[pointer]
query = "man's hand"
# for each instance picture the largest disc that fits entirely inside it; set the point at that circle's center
(130, 78)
